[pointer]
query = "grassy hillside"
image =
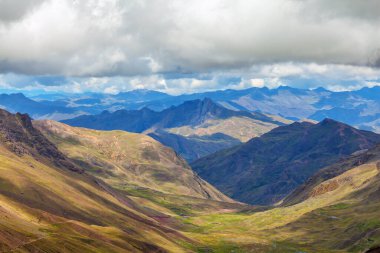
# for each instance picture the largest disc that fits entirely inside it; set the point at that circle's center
(127, 160)
(46, 205)
(340, 214)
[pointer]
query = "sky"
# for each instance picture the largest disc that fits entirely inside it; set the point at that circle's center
(180, 46)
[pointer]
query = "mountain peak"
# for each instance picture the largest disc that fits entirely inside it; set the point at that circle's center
(320, 89)
(330, 122)
(18, 135)
(15, 96)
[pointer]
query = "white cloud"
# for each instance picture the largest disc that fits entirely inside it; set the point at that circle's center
(115, 45)
(140, 37)
(257, 82)
(334, 77)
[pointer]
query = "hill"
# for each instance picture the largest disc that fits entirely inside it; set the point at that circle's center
(50, 204)
(266, 169)
(125, 160)
(337, 210)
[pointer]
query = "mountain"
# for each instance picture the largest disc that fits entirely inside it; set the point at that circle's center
(18, 135)
(337, 210)
(19, 103)
(266, 169)
(141, 95)
(193, 129)
(68, 189)
(125, 159)
(49, 204)
(190, 113)
(326, 180)
(348, 197)
(95, 103)
(194, 147)
(361, 108)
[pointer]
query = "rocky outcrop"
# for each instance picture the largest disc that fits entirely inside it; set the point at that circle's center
(18, 135)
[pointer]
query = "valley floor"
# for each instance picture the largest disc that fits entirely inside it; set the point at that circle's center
(335, 221)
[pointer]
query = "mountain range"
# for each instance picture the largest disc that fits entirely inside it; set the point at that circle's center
(17, 102)
(359, 108)
(266, 169)
(194, 128)
(51, 202)
(70, 189)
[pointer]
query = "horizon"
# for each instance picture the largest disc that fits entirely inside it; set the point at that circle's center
(29, 93)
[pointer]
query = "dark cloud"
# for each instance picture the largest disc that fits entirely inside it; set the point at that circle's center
(13, 10)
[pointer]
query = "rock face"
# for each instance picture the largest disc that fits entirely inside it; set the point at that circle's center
(266, 169)
(19, 136)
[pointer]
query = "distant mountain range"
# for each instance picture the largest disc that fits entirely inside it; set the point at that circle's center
(266, 169)
(19, 103)
(194, 128)
(359, 108)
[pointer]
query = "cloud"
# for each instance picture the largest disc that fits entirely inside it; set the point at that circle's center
(11, 10)
(140, 37)
(311, 75)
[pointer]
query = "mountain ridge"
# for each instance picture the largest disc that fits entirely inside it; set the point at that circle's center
(267, 168)
(190, 128)
(175, 116)
(287, 102)
(121, 158)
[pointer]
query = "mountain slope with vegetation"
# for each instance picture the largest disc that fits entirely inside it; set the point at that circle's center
(125, 159)
(266, 169)
(49, 204)
(335, 211)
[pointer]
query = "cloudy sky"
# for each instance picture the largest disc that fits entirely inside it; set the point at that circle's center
(181, 46)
